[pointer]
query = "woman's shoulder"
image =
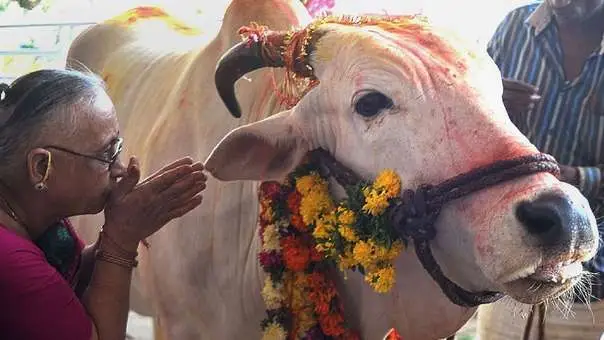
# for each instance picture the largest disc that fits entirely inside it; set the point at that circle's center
(11, 243)
(17, 253)
(37, 302)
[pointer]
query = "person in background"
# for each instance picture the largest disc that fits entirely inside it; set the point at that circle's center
(59, 152)
(551, 57)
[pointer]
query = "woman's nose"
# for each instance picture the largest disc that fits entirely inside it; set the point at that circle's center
(117, 168)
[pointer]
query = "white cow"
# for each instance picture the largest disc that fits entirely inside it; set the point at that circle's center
(404, 95)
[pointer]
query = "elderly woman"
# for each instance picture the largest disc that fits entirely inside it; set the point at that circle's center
(59, 152)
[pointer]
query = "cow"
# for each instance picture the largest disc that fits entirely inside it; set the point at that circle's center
(375, 93)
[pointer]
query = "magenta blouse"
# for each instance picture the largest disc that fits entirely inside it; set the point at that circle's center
(36, 300)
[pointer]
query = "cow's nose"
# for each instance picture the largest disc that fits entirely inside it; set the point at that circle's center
(552, 220)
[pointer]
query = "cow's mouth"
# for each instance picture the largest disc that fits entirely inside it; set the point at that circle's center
(544, 282)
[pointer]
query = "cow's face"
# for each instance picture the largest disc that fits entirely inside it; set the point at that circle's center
(411, 99)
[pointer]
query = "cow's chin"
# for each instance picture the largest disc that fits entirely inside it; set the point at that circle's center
(544, 283)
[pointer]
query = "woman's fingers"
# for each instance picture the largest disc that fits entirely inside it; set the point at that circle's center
(171, 166)
(181, 195)
(167, 179)
(184, 208)
(178, 192)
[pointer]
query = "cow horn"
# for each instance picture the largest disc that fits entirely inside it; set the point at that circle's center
(241, 59)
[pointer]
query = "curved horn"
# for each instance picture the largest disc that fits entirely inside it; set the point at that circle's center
(243, 58)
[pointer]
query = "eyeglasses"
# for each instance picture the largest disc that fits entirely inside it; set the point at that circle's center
(110, 156)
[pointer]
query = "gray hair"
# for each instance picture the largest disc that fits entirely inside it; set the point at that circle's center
(37, 101)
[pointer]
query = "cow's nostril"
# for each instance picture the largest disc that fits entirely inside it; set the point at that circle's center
(538, 219)
(552, 220)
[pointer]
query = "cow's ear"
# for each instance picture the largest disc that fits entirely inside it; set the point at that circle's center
(265, 150)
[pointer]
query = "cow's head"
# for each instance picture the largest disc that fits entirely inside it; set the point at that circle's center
(398, 93)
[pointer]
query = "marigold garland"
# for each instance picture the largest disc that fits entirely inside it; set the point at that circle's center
(304, 233)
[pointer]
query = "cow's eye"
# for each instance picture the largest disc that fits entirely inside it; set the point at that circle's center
(372, 103)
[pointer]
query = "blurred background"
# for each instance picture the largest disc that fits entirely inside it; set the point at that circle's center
(37, 33)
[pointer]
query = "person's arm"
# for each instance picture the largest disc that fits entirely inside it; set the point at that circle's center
(86, 267)
(108, 294)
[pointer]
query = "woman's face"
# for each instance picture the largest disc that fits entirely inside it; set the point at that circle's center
(82, 173)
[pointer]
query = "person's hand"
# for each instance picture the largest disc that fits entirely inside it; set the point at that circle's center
(518, 97)
(569, 174)
(135, 210)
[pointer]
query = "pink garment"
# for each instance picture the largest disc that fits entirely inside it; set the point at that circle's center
(36, 302)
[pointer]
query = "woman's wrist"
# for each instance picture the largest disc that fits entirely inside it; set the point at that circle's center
(110, 250)
(121, 244)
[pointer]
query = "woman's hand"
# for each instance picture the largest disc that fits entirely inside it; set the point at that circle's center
(135, 210)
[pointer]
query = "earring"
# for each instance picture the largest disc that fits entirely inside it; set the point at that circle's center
(40, 186)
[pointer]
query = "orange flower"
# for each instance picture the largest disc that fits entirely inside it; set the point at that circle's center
(298, 223)
(321, 292)
(393, 335)
(293, 202)
(295, 255)
(315, 254)
(331, 323)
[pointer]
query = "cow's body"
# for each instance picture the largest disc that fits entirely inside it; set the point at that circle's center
(201, 272)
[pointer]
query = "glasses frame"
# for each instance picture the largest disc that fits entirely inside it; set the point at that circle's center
(119, 146)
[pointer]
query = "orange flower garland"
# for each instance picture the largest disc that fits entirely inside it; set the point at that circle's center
(301, 299)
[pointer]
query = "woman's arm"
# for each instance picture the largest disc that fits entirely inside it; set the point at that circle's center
(108, 293)
(86, 267)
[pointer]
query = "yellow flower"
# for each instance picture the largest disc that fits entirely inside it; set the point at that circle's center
(272, 293)
(346, 216)
(389, 182)
(308, 183)
(382, 279)
(322, 230)
(274, 332)
(348, 233)
(375, 204)
(306, 320)
(363, 254)
(346, 261)
(328, 248)
(313, 204)
(382, 253)
(394, 251)
(271, 238)
(297, 287)
(267, 213)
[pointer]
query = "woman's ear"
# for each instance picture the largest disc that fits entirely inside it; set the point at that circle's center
(39, 162)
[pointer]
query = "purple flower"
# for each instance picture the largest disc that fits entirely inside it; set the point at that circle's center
(314, 333)
(270, 260)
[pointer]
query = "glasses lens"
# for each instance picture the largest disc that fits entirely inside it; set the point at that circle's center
(116, 148)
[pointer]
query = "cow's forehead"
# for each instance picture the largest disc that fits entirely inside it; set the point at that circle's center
(409, 62)
(439, 49)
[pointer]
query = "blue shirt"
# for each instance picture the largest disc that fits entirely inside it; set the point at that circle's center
(568, 121)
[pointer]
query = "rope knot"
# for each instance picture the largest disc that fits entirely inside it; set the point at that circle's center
(414, 216)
